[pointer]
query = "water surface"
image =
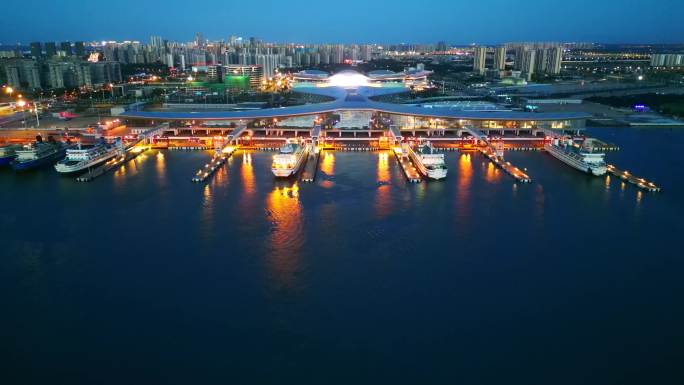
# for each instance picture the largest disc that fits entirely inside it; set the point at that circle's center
(360, 278)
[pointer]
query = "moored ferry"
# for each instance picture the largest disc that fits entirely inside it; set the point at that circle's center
(289, 159)
(580, 157)
(428, 161)
(38, 154)
(7, 153)
(83, 157)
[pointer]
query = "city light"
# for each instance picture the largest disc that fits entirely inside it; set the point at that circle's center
(348, 80)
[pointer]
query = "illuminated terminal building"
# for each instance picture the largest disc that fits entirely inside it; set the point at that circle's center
(353, 112)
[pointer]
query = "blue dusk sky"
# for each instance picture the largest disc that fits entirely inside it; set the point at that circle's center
(426, 21)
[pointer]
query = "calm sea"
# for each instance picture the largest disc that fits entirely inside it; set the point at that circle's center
(142, 277)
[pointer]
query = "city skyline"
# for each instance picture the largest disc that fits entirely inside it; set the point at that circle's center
(302, 22)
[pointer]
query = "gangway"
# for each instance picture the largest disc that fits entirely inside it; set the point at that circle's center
(494, 150)
(396, 133)
(315, 135)
(235, 134)
(476, 133)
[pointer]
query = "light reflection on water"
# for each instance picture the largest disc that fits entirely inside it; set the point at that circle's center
(161, 168)
(327, 168)
(207, 210)
(328, 163)
(247, 174)
(355, 265)
(492, 174)
(284, 211)
(129, 169)
(383, 195)
(464, 179)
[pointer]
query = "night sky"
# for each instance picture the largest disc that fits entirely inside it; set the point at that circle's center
(362, 21)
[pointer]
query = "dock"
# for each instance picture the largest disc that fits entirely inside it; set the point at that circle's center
(513, 171)
(627, 177)
(216, 162)
(410, 170)
(111, 164)
(310, 168)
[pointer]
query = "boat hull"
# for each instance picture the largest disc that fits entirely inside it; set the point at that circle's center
(435, 174)
(5, 161)
(81, 167)
(36, 163)
(588, 168)
(288, 172)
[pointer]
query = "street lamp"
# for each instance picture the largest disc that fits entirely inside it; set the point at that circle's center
(9, 90)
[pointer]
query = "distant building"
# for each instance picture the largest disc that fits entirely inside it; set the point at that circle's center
(366, 53)
(66, 47)
(243, 76)
(548, 60)
(269, 63)
(50, 49)
(215, 72)
(79, 49)
(23, 74)
(156, 41)
(479, 59)
(36, 50)
(338, 54)
(667, 60)
(527, 64)
(541, 60)
(62, 74)
(104, 72)
(500, 58)
(555, 58)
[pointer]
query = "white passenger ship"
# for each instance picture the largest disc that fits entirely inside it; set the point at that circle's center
(579, 157)
(428, 161)
(83, 157)
(289, 159)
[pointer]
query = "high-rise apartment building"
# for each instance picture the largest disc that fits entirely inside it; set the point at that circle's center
(527, 64)
(23, 74)
(479, 59)
(500, 58)
(79, 49)
(66, 47)
(555, 59)
(50, 49)
(36, 50)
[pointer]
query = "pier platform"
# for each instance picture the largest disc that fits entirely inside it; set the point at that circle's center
(627, 177)
(216, 162)
(513, 171)
(409, 168)
(310, 168)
